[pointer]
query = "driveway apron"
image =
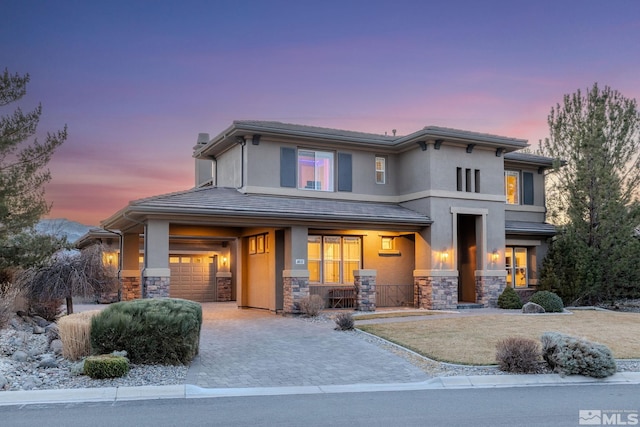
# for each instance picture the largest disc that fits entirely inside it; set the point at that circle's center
(252, 348)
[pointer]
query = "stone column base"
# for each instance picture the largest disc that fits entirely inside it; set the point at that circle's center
(155, 287)
(435, 292)
(295, 288)
(130, 288)
(223, 286)
(365, 284)
(489, 286)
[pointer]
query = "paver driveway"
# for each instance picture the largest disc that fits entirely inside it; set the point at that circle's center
(252, 348)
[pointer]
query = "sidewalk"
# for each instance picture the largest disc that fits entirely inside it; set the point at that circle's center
(188, 391)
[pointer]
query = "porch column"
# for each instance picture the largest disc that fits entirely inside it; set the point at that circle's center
(489, 286)
(365, 284)
(435, 289)
(156, 274)
(295, 275)
(130, 267)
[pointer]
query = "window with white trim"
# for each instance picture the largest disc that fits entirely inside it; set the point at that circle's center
(516, 265)
(332, 259)
(381, 170)
(512, 187)
(315, 170)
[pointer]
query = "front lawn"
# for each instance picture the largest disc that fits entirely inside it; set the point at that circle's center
(472, 339)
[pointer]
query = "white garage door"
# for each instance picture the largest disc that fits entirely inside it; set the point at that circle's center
(193, 277)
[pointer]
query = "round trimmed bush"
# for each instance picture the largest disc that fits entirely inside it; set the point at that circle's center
(509, 299)
(106, 366)
(551, 302)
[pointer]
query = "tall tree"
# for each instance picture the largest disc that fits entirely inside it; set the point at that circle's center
(594, 196)
(23, 174)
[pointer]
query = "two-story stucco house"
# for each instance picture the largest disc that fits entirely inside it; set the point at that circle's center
(434, 219)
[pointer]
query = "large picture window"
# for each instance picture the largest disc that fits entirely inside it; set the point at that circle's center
(516, 265)
(332, 259)
(315, 170)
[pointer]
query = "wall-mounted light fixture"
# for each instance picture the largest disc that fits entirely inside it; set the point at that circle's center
(495, 256)
(110, 259)
(224, 260)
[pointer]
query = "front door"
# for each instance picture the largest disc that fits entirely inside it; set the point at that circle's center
(467, 258)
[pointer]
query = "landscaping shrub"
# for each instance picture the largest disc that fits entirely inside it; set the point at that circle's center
(518, 354)
(551, 302)
(163, 331)
(311, 306)
(8, 295)
(509, 299)
(106, 366)
(568, 355)
(75, 334)
(47, 309)
(344, 321)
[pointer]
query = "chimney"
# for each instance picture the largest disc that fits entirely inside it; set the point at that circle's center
(203, 139)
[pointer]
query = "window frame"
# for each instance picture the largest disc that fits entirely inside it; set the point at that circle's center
(514, 174)
(381, 172)
(321, 263)
(330, 157)
(514, 269)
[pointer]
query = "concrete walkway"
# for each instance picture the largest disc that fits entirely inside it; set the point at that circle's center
(252, 348)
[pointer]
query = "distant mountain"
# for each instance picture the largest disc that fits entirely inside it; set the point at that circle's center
(63, 227)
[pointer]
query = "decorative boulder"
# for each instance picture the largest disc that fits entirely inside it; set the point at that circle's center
(532, 307)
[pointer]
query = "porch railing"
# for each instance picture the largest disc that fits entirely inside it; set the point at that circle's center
(345, 296)
(394, 295)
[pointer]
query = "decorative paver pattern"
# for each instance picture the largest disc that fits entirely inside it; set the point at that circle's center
(252, 348)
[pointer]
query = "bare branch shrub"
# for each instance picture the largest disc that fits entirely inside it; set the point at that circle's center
(518, 354)
(8, 295)
(68, 275)
(311, 306)
(344, 321)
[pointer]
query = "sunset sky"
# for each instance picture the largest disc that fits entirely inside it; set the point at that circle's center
(136, 81)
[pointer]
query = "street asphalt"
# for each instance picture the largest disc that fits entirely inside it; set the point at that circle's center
(255, 353)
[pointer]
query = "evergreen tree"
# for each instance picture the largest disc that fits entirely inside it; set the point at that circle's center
(593, 196)
(23, 174)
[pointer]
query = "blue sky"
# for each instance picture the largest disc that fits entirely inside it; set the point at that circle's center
(136, 81)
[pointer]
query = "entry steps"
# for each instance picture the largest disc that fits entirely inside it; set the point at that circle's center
(469, 305)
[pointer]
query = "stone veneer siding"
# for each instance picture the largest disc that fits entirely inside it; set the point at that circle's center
(294, 290)
(488, 289)
(155, 287)
(223, 288)
(435, 293)
(365, 284)
(130, 288)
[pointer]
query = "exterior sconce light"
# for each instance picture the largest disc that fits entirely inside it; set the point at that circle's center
(495, 256)
(444, 256)
(224, 260)
(110, 259)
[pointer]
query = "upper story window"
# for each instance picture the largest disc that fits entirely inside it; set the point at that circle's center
(512, 187)
(470, 182)
(518, 188)
(381, 168)
(315, 170)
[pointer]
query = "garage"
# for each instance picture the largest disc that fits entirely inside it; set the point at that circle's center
(193, 277)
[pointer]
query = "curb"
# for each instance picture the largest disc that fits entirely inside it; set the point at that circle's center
(188, 391)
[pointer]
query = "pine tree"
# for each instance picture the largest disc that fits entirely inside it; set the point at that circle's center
(23, 173)
(594, 197)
